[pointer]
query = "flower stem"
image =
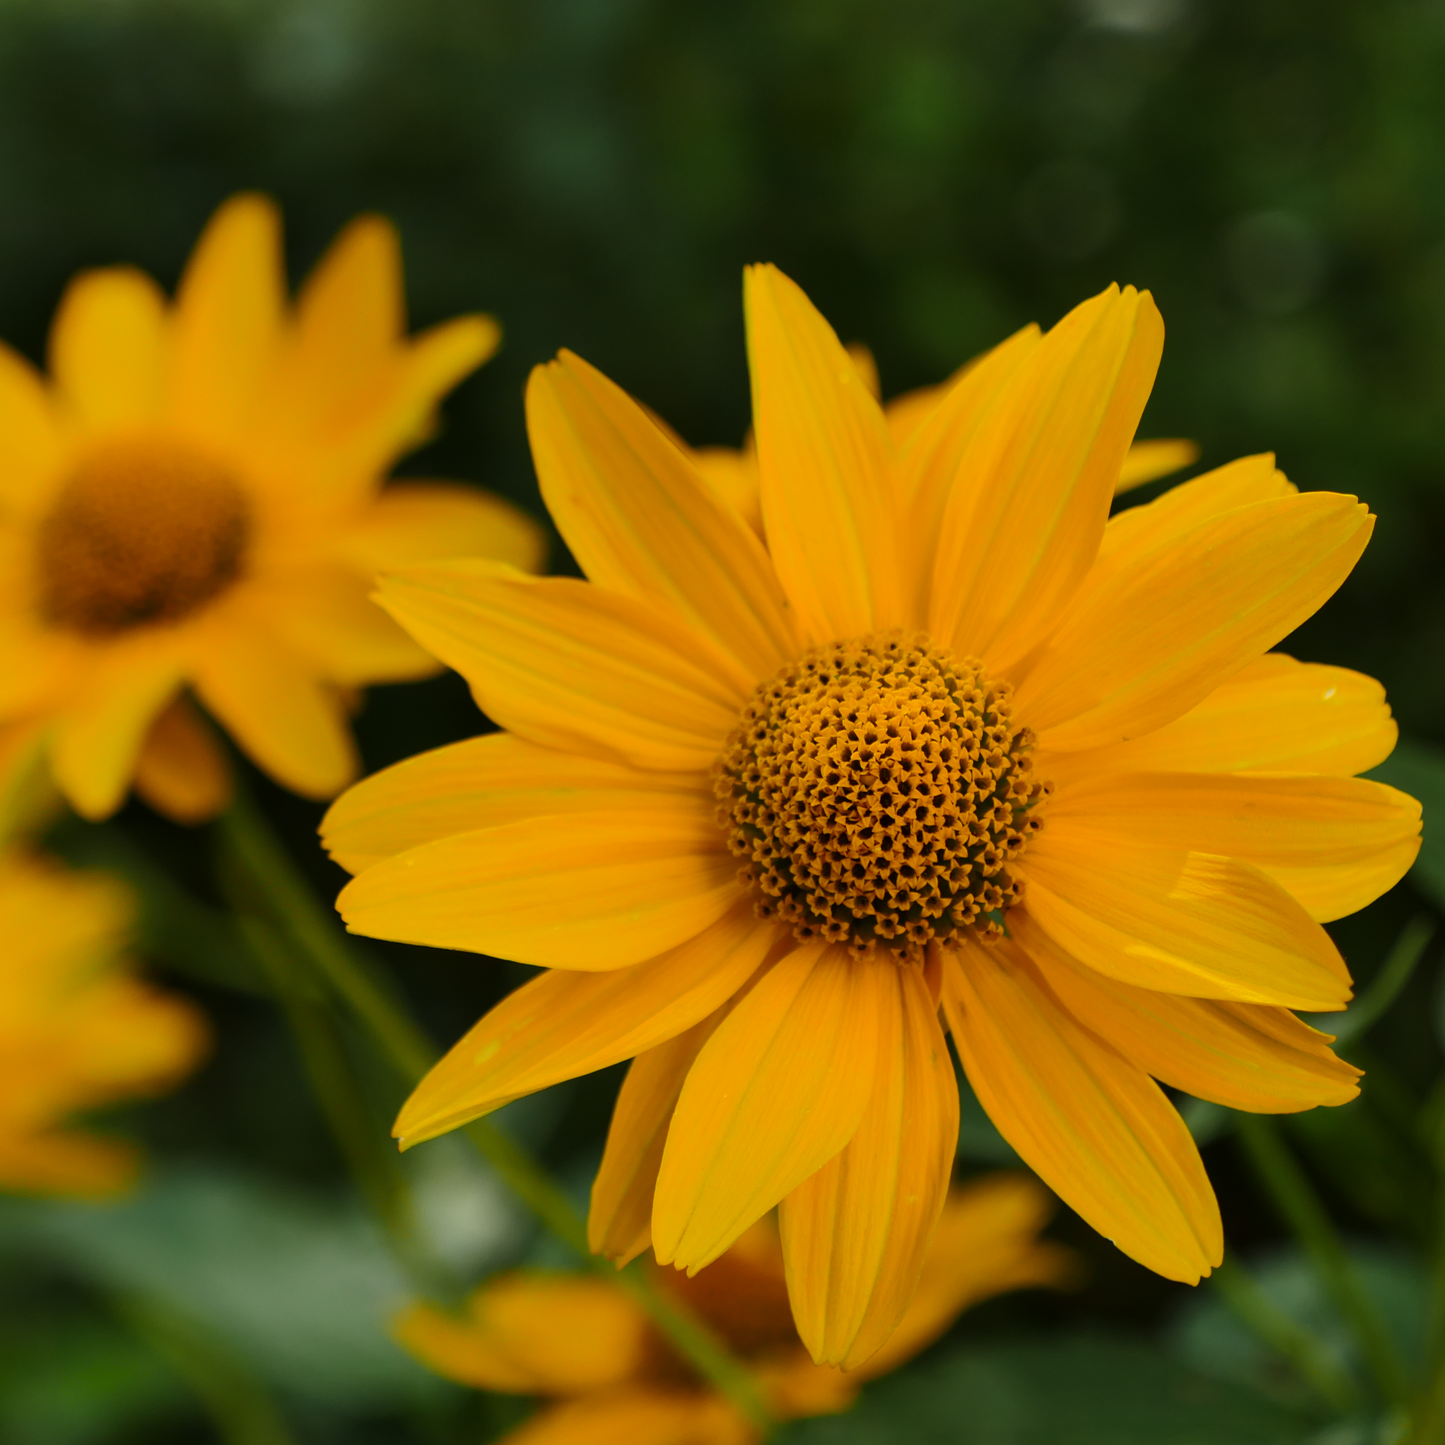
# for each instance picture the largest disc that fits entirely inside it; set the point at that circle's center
(315, 934)
(1296, 1200)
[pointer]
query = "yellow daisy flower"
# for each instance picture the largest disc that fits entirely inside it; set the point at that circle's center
(585, 1344)
(192, 499)
(76, 1029)
(946, 734)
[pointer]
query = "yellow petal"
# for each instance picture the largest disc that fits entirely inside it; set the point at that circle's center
(1273, 715)
(228, 318)
(182, 770)
(414, 522)
(99, 735)
(532, 1334)
(1157, 627)
(941, 435)
(573, 666)
(644, 1415)
(641, 521)
(588, 891)
(856, 1233)
(1148, 461)
(32, 450)
(619, 1222)
(1335, 844)
(1242, 1055)
(985, 1244)
(477, 784)
(1093, 1126)
(289, 721)
(327, 616)
(1181, 922)
(733, 476)
(108, 348)
(68, 1163)
(825, 459)
(1024, 520)
(563, 1024)
(767, 1103)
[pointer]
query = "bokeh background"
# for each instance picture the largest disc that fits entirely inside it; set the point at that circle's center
(596, 173)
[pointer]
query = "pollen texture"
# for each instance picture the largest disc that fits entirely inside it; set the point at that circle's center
(143, 531)
(877, 791)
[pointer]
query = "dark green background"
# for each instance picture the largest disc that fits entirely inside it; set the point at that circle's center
(596, 173)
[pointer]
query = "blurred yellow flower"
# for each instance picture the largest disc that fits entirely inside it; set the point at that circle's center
(77, 1030)
(586, 1344)
(191, 499)
(943, 734)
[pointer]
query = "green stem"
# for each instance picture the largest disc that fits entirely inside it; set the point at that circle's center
(1285, 1335)
(243, 1411)
(1296, 1200)
(316, 935)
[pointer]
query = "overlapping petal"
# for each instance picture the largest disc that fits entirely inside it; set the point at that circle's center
(855, 1234)
(573, 666)
(588, 891)
(769, 1100)
(565, 1023)
(1093, 1125)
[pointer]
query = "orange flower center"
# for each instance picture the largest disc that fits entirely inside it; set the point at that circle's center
(878, 791)
(142, 531)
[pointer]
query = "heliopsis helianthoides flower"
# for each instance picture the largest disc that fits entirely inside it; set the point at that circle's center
(192, 499)
(945, 735)
(77, 1029)
(584, 1343)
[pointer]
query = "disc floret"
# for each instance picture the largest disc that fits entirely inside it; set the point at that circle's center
(877, 791)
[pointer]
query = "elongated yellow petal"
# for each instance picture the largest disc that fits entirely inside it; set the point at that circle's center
(227, 325)
(1335, 844)
(580, 890)
(1025, 518)
(619, 1222)
(1158, 626)
(776, 1092)
(32, 448)
(414, 522)
(1242, 1055)
(570, 665)
(1148, 461)
(641, 521)
(480, 783)
(566, 1023)
(182, 770)
(1093, 1126)
(856, 1234)
(532, 1334)
(644, 1415)
(1178, 921)
(1273, 715)
(108, 348)
(941, 434)
(826, 464)
(99, 735)
(287, 719)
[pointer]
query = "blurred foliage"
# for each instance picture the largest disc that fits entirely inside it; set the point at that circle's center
(596, 172)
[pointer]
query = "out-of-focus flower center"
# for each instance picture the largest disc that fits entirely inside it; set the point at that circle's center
(142, 531)
(877, 791)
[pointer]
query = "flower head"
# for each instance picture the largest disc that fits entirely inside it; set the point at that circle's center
(583, 1343)
(191, 500)
(76, 1029)
(942, 736)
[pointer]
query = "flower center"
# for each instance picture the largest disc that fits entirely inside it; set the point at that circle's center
(878, 791)
(143, 530)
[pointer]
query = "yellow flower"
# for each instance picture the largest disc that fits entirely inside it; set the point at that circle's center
(948, 735)
(192, 500)
(583, 1342)
(76, 1029)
